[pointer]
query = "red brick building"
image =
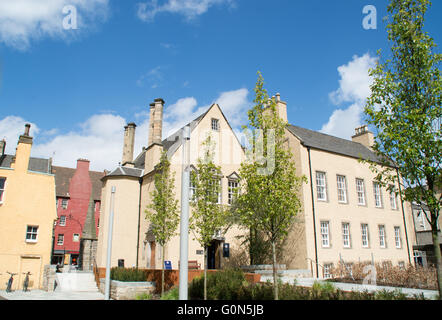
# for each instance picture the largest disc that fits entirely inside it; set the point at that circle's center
(75, 190)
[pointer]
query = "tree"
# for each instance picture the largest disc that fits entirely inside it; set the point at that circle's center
(208, 215)
(163, 211)
(404, 106)
(269, 199)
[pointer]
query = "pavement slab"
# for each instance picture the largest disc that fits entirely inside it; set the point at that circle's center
(56, 295)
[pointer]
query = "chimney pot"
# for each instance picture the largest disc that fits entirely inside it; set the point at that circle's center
(2, 147)
(27, 129)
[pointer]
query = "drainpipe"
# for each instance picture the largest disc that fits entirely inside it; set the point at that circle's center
(139, 218)
(403, 215)
(314, 214)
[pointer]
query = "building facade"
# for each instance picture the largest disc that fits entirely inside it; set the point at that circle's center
(78, 191)
(421, 235)
(133, 244)
(27, 214)
(346, 216)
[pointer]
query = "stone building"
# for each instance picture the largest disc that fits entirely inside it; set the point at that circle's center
(346, 216)
(133, 244)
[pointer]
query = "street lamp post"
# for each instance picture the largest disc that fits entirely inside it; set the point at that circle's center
(184, 221)
(109, 245)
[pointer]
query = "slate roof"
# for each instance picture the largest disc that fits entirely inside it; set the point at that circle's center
(325, 142)
(63, 178)
(35, 164)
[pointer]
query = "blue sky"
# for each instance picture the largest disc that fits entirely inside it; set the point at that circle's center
(78, 87)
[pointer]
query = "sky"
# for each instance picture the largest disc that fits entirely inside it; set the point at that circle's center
(79, 70)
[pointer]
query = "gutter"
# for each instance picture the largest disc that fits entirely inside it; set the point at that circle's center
(314, 213)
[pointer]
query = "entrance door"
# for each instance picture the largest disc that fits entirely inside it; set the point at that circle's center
(152, 254)
(213, 255)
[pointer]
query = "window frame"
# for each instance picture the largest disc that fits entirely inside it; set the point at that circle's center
(62, 203)
(30, 240)
(62, 222)
(397, 237)
(345, 226)
(216, 122)
(393, 199)
(327, 270)
(325, 199)
(327, 239)
(3, 190)
(382, 236)
(232, 191)
(73, 237)
(358, 192)
(62, 239)
(367, 235)
(377, 187)
(342, 188)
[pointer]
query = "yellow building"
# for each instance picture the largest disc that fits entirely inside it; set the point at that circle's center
(27, 214)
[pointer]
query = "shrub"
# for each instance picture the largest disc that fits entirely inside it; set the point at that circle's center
(128, 274)
(222, 285)
(172, 294)
(143, 296)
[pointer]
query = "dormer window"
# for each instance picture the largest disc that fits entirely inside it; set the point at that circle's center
(215, 124)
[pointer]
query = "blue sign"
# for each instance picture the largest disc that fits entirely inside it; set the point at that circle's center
(167, 265)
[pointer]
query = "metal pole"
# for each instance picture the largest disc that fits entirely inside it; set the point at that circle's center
(109, 246)
(184, 221)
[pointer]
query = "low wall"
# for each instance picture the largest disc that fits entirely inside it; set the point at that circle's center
(120, 290)
(172, 277)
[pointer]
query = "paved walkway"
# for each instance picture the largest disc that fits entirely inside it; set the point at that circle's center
(308, 282)
(57, 295)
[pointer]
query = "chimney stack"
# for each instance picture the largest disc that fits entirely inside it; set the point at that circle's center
(363, 136)
(281, 108)
(129, 141)
(154, 147)
(2, 147)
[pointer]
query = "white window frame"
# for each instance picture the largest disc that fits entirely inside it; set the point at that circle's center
(325, 234)
(76, 237)
(62, 203)
(382, 237)
(341, 182)
(393, 200)
(377, 190)
(321, 186)
(2, 190)
(365, 235)
(62, 221)
(346, 241)
(232, 190)
(397, 237)
(31, 233)
(327, 270)
(60, 237)
(360, 190)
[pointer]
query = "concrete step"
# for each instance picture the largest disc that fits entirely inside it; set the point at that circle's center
(79, 282)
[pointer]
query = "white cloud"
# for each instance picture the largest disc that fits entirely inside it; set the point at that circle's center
(354, 88)
(190, 9)
(22, 21)
(154, 77)
(100, 138)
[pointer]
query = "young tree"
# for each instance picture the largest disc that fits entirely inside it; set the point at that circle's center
(404, 107)
(163, 211)
(269, 201)
(208, 215)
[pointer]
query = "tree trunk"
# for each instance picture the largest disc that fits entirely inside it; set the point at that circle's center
(162, 273)
(205, 272)
(437, 257)
(275, 280)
